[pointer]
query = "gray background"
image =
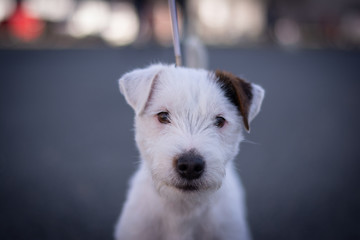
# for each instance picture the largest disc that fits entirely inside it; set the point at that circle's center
(67, 149)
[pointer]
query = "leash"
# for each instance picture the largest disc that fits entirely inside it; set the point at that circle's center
(175, 31)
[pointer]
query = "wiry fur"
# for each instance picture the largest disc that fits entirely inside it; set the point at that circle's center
(156, 206)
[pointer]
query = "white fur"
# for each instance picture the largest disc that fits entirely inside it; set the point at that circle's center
(155, 208)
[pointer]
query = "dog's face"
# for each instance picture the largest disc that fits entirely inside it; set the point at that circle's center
(189, 123)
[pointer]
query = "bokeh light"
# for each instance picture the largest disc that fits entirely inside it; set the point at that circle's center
(51, 10)
(90, 18)
(229, 22)
(6, 8)
(24, 26)
(287, 32)
(123, 26)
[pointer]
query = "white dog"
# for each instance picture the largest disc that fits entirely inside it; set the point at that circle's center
(188, 128)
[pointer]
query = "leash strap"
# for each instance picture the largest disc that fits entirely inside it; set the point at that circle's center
(175, 30)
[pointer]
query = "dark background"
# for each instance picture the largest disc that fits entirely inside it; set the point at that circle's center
(67, 148)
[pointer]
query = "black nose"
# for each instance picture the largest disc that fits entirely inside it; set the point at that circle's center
(190, 165)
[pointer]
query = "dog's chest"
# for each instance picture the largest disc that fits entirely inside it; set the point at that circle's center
(197, 224)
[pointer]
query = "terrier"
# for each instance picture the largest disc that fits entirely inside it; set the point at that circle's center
(188, 126)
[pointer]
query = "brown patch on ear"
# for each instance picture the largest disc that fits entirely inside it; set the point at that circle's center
(238, 91)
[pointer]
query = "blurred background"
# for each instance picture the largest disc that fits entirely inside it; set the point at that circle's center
(66, 133)
(96, 23)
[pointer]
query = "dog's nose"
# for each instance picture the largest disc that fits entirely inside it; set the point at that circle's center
(190, 165)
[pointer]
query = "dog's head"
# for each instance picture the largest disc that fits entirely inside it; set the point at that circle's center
(189, 122)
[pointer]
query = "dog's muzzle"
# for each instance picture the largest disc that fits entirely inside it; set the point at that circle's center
(190, 165)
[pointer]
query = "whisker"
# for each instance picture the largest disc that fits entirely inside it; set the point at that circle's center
(250, 142)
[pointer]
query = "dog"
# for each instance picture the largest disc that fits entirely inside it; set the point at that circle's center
(189, 124)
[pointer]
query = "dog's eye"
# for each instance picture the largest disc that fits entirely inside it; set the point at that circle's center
(163, 117)
(219, 121)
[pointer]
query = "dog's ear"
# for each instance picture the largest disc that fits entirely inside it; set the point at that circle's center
(245, 96)
(136, 86)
